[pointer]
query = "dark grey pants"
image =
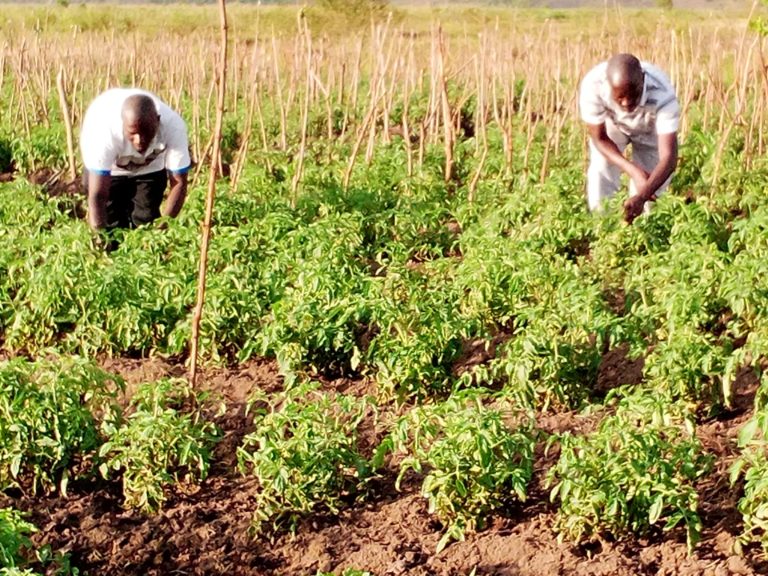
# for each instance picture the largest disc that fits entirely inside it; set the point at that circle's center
(134, 200)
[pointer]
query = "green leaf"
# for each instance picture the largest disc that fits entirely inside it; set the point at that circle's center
(656, 509)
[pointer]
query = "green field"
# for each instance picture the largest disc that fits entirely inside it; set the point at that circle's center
(413, 327)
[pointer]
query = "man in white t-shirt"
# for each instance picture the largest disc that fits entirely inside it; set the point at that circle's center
(624, 101)
(133, 144)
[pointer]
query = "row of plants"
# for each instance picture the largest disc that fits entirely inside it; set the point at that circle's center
(473, 454)
(64, 416)
(61, 419)
(393, 276)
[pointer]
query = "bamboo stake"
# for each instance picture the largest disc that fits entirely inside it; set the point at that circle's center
(448, 134)
(67, 123)
(763, 68)
(307, 41)
(362, 131)
(342, 99)
(209, 201)
(740, 104)
(358, 142)
(378, 80)
(380, 93)
(406, 110)
(2, 67)
(262, 127)
(242, 151)
(201, 159)
(389, 92)
(195, 95)
(279, 95)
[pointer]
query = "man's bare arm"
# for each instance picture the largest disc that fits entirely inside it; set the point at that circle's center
(98, 194)
(177, 194)
(646, 192)
(608, 148)
(663, 170)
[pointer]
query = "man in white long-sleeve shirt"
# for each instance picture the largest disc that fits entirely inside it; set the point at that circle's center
(133, 144)
(625, 101)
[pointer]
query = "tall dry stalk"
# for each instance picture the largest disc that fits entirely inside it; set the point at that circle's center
(445, 107)
(406, 123)
(306, 41)
(356, 84)
(481, 133)
(381, 94)
(279, 95)
(242, 151)
(67, 123)
(741, 66)
(210, 197)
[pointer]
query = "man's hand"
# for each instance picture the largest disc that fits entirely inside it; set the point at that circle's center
(161, 223)
(633, 207)
(104, 241)
(648, 184)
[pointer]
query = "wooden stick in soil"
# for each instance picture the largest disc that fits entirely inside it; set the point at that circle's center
(201, 160)
(263, 131)
(2, 67)
(363, 130)
(206, 232)
(406, 111)
(481, 132)
(67, 123)
(306, 44)
(242, 150)
(763, 69)
(445, 107)
(279, 95)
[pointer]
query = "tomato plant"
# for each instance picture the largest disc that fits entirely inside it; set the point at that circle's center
(635, 471)
(164, 440)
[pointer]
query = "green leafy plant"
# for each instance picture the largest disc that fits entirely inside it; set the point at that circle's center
(752, 467)
(43, 148)
(164, 440)
(49, 418)
(18, 553)
(472, 458)
(303, 451)
(637, 470)
(14, 537)
(420, 330)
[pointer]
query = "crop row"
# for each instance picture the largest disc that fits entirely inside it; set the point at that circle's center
(61, 421)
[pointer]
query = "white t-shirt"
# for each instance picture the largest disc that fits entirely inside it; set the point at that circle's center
(657, 113)
(106, 150)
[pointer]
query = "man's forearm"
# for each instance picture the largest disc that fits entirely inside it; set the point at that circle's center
(657, 178)
(665, 167)
(97, 211)
(667, 163)
(611, 152)
(176, 197)
(98, 194)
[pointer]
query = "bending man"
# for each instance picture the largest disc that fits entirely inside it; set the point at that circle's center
(624, 101)
(132, 145)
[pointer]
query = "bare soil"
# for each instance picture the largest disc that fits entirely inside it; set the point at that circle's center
(205, 530)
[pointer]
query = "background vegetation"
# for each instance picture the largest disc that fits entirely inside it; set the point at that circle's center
(403, 205)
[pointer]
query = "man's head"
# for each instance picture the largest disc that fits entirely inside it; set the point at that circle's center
(626, 78)
(140, 121)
